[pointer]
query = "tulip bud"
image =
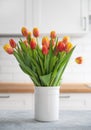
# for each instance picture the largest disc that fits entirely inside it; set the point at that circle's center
(8, 48)
(24, 31)
(45, 41)
(44, 50)
(12, 43)
(25, 42)
(29, 34)
(69, 46)
(33, 43)
(36, 32)
(61, 46)
(79, 60)
(66, 39)
(53, 34)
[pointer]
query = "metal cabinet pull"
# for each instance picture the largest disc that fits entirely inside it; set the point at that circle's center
(84, 23)
(4, 96)
(64, 96)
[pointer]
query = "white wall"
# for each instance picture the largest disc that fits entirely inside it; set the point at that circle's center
(10, 71)
(9, 68)
(80, 73)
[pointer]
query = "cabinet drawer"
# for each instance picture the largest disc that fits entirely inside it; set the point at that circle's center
(16, 101)
(72, 101)
(9, 105)
(71, 104)
(4, 96)
(75, 96)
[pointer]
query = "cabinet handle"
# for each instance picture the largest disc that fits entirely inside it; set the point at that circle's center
(64, 96)
(4, 96)
(84, 23)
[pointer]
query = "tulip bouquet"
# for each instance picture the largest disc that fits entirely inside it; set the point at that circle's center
(44, 64)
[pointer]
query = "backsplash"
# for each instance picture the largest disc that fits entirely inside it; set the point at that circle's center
(10, 71)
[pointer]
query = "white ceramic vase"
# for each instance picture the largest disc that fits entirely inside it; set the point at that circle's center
(46, 103)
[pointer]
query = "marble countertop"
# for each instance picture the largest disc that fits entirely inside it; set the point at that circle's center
(24, 120)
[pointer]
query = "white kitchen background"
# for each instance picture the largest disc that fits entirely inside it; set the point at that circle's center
(9, 69)
(66, 17)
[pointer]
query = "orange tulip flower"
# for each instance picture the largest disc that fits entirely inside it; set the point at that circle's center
(66, 39)
(53, 34)
(7, 47)
(45, 41)
(12, 43)
(61, 46)
(44, 50)
(69, 46)
(29, 34)
(79, 60)
(33, 43)
(36, 32)
(24, 31)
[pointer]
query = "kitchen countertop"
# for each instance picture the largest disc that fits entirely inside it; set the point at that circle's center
(29, 88)
(24, 120)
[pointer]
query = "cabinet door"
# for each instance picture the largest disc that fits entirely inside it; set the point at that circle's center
(72, 101)
(64, 16)
(12, 16)
(17, 101)
(89, 6)
(29, 14)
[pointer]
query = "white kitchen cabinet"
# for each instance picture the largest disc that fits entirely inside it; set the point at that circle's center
(29, 14)
(66, 17)
(75, 101)
(89, 6)
(16, 101)
(25, 101)
(13, 15)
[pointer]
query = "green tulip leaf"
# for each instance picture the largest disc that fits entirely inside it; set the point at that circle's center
(45, 79)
